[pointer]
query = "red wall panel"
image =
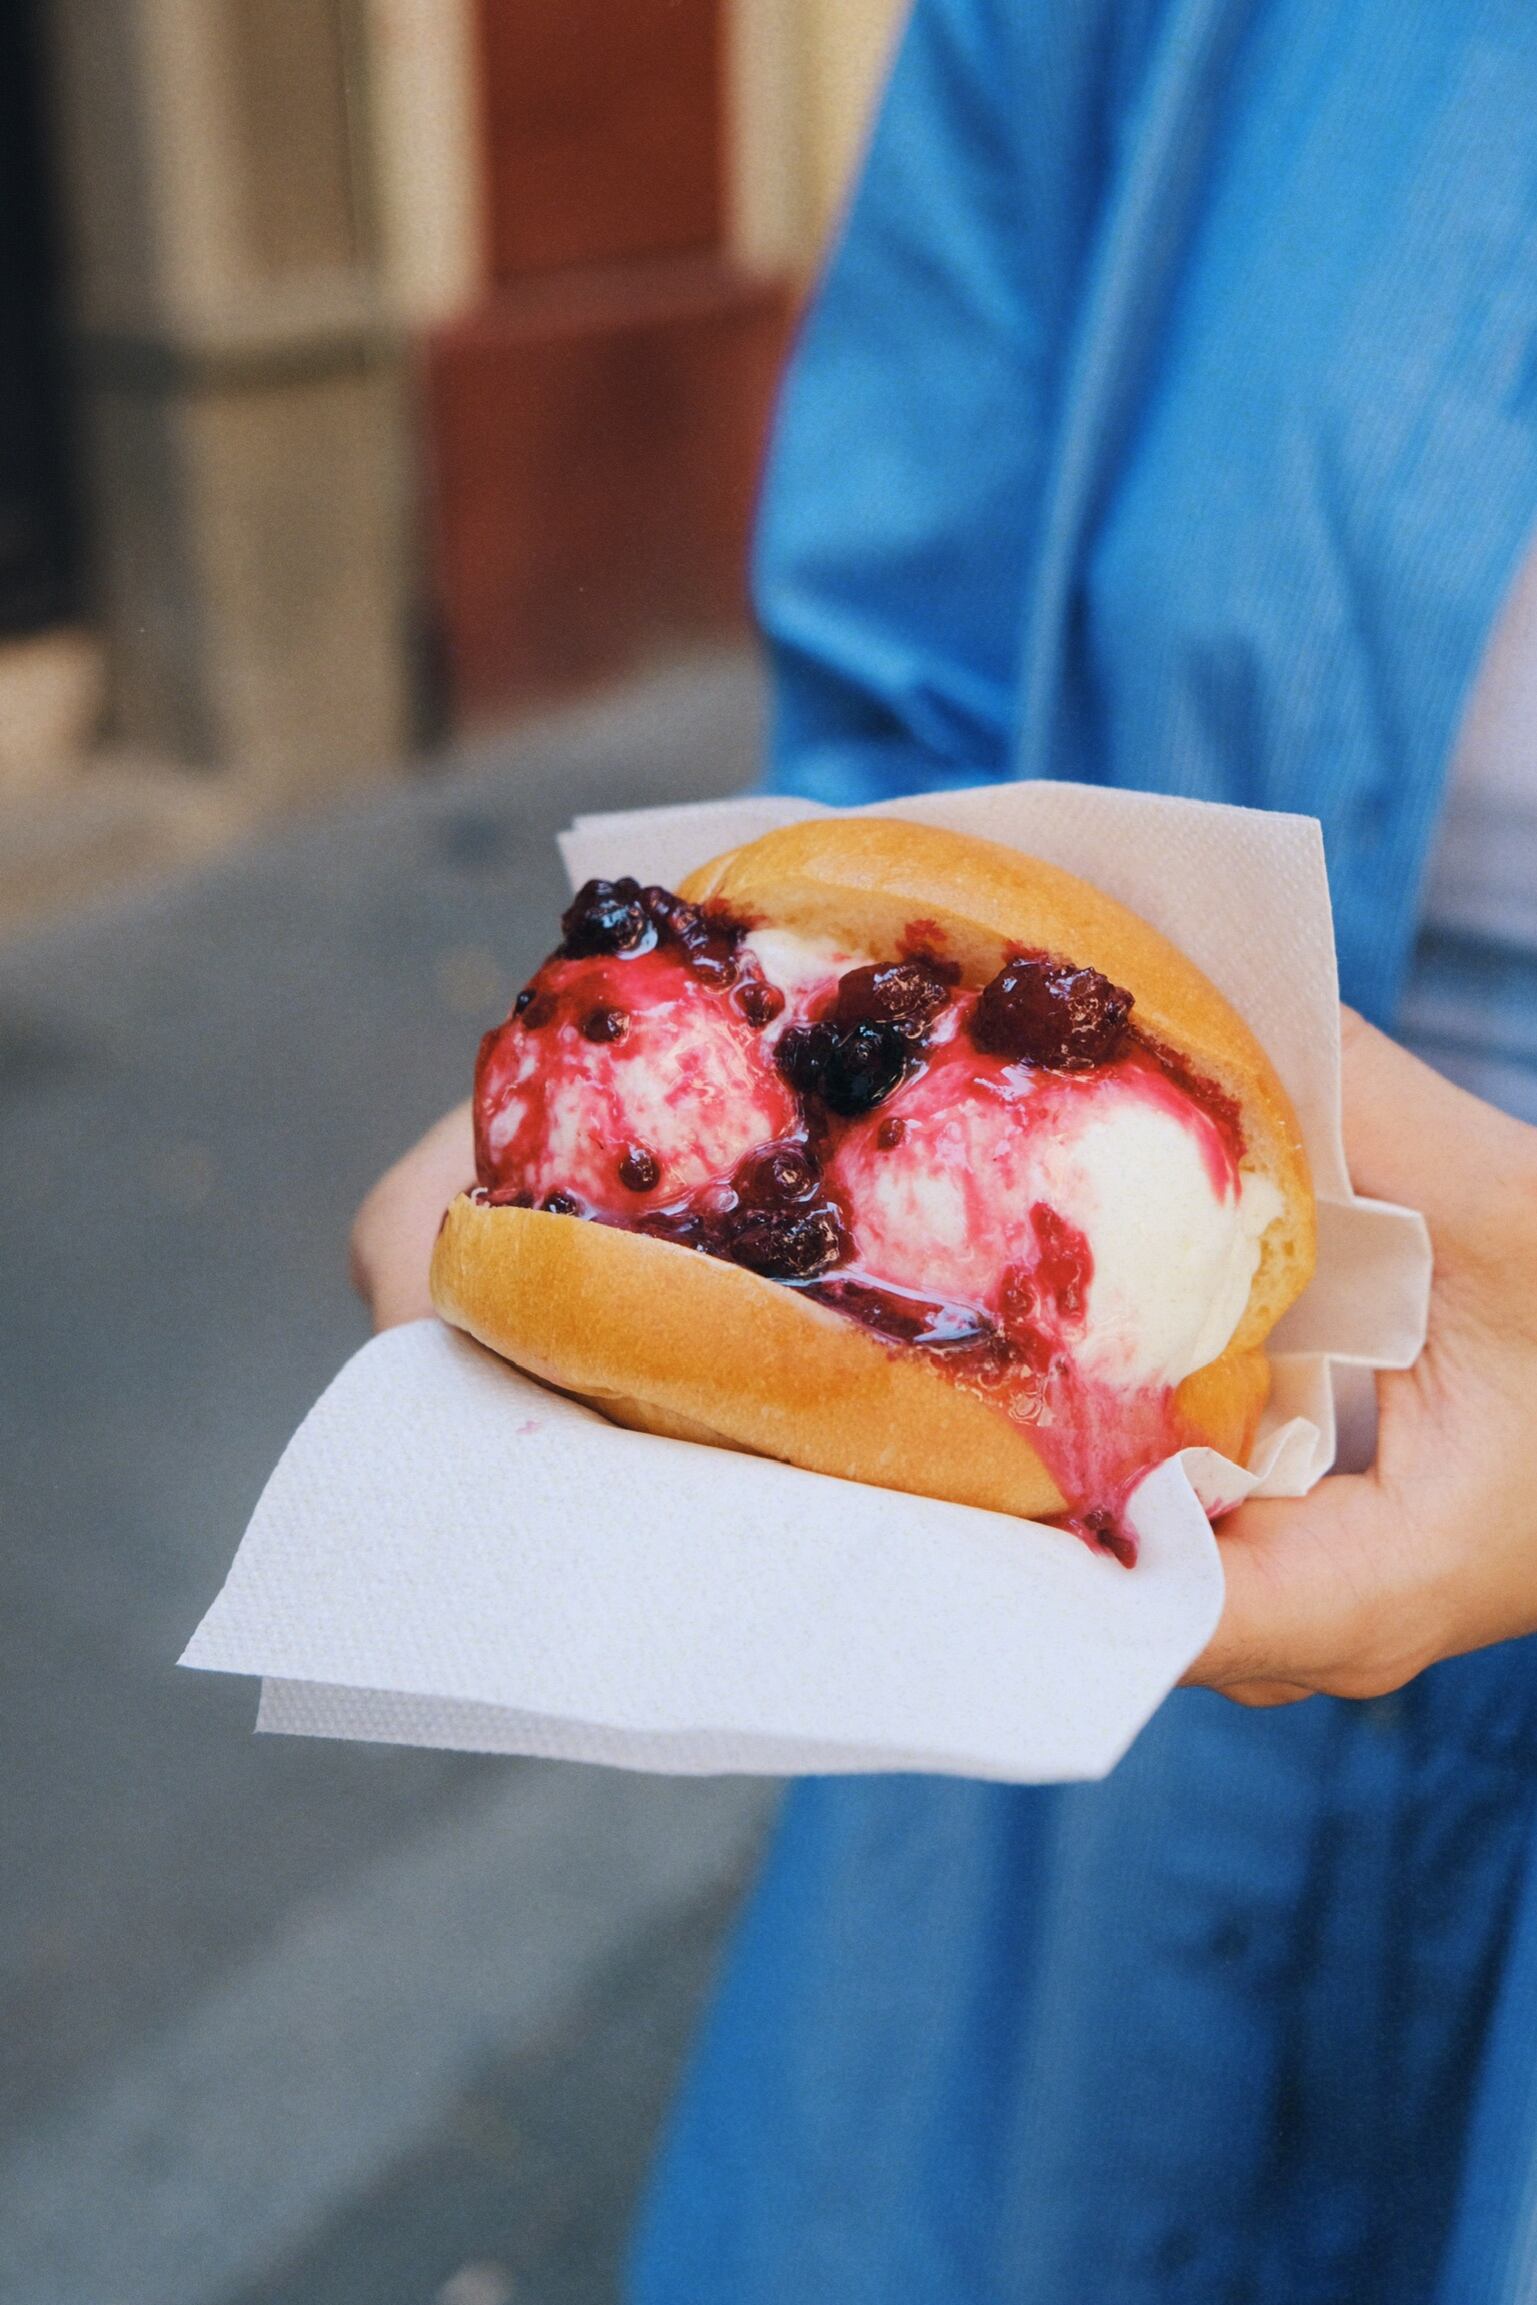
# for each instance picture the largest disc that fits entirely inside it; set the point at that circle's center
(603, 126)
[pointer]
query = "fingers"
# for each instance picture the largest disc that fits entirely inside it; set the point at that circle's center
(1298, 1573)
(1310, 1599)
(1264, 1696)
(393, 1232)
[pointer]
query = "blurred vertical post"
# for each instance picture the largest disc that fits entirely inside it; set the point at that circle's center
(657, 178)
(847, 51)
(239, 381)
(595, 421)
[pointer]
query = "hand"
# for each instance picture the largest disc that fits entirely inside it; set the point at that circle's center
(1358, 1587)
(393, 1232)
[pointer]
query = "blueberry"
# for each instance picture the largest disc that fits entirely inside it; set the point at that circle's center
(639, 1168)
(603, 916)
(605, 1024)
(863, 1067)
(778, 1174)
(760, 1003)
(802, 1056)
(708, 944)
(851, 1068)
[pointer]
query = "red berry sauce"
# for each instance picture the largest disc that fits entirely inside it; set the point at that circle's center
(651, 1077)
(633, 1069)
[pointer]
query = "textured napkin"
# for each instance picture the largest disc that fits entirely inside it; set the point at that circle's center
(448, 1554)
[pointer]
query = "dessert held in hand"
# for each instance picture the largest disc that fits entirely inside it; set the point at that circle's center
(892, 1153)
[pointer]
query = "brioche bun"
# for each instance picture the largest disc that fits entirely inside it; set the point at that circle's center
(665, 1340)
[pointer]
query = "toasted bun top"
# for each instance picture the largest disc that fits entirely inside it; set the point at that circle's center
(878, 885)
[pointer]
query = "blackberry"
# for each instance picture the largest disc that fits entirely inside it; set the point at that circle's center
(793, 1244)
(707, 944)
(906, 994)
(1045, 1012)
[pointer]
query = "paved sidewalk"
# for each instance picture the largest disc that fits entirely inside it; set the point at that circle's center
(291, 2023)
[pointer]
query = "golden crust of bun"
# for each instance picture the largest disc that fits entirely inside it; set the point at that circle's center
(669, 1341)
(869, 881)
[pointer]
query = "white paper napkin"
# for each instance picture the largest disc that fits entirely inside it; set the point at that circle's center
(450, 1555)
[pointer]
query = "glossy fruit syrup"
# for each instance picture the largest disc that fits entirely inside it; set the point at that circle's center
(651, 1077)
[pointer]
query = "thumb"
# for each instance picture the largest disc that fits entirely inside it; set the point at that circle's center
(1304, 1602)
(393, 1232)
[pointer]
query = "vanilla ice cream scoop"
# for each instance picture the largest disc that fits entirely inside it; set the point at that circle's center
(1102, 1212)
(624, 1082)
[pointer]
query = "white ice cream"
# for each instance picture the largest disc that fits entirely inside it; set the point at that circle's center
(1173, 1262)
(1134, 1168)
(801, 966)
(689, 1082)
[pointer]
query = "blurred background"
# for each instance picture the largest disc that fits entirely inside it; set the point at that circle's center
(382, 390)
(372, 371)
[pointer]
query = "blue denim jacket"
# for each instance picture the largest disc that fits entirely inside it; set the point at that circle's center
(1168, 417)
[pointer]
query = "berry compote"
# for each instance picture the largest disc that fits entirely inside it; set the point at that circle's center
(1012, 1180)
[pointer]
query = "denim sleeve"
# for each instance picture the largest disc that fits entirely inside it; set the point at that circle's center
(913, 436)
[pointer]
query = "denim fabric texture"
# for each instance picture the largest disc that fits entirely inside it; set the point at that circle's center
(1167, 419)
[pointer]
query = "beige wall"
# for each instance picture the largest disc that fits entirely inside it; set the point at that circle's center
(847, 44)
(240, 393)
(804, 76)
(425, 125)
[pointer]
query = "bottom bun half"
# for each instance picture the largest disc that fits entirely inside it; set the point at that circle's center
(669, 1341)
